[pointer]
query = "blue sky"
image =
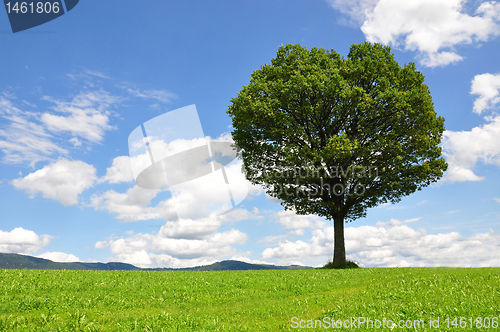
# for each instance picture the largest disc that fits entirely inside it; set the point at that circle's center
(72, 90)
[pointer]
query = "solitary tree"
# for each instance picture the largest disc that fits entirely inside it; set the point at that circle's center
(333, 137)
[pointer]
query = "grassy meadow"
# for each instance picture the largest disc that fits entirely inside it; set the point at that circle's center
(61, 300)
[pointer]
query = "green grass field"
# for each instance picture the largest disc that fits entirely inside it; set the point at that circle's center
(43, 300)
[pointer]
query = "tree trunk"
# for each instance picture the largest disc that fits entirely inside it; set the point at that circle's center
(338, 241)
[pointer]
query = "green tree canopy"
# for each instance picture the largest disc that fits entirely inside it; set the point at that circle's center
(333, 137)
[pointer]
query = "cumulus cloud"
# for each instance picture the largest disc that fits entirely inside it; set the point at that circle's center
(464, 149)
(182, 242)
(204, 227)
(244, 258)
(22, 241)
(62, 181)
(393, 244)
(190, 229)
(134, 204)
(151, 250)
(432, 28)
(119, 171)
(404, 246)
(145, 259)
(210, 193)
(293, 252)
(487, 86)
(60, 257)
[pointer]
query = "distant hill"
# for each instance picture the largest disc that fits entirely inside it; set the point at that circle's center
(16, 261)
(234, 266)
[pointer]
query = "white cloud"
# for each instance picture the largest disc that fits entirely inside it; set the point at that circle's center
(60, 257)
(404, 246)
(433, 28)
(120, 171)
(182, 243)
(62, 181)
(133, 205)
(209, 194)
(298, 232)
(244, 258)
(190, 229)
(215, 245)
(440, 59)
(152, 250)
(393, 245)
(297, 250)
(203, 228)
(145, 259)
(487, 86)
(163, 96)
(101, 244)
(22, 241)
(463, 149)
(86, 116)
